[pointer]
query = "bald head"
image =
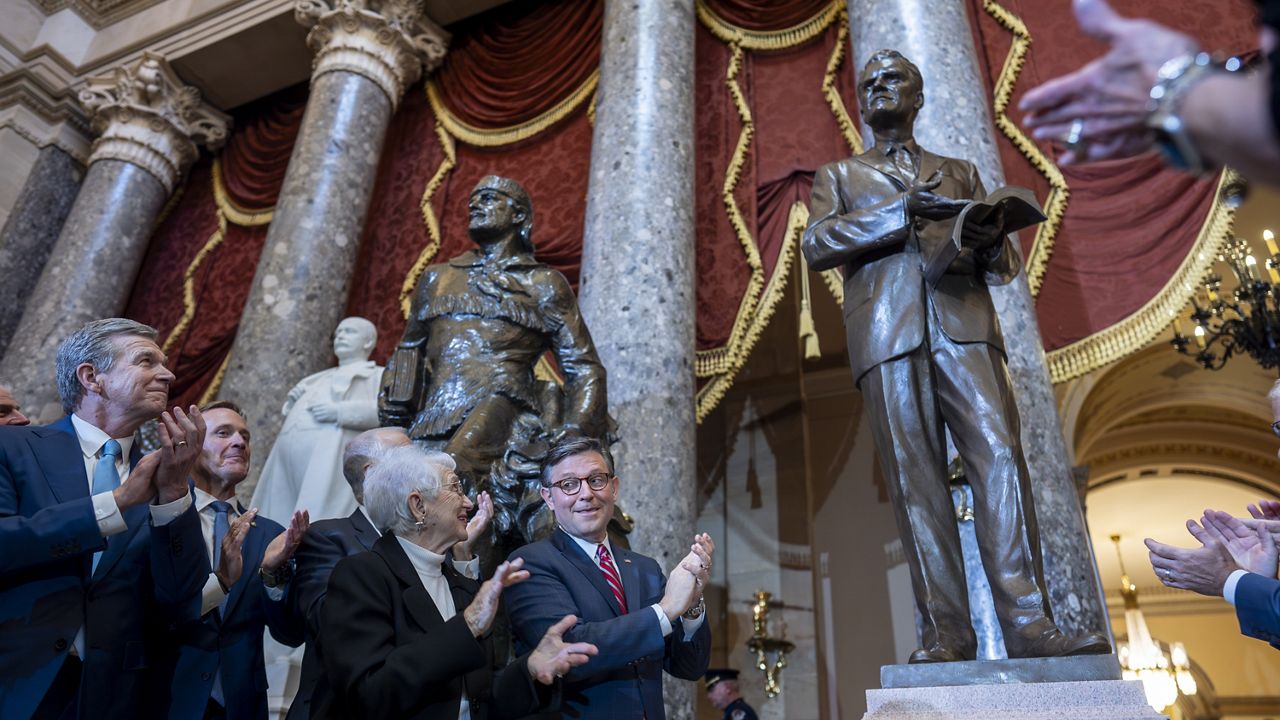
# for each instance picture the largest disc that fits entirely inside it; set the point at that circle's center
(367, 449)
(10, 411)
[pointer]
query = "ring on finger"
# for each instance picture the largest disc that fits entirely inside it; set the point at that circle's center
(1075, 136)
(182, 443)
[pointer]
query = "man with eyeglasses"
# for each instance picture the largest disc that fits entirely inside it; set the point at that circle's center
(641, 622)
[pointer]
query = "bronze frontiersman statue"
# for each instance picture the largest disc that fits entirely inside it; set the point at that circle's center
(462, 379)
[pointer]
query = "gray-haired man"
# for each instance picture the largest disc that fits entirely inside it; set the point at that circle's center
(99, 541)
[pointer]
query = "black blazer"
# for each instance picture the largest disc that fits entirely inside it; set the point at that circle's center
(325, 543)
(388, 653)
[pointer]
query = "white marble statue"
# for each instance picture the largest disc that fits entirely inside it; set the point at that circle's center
(323, 413)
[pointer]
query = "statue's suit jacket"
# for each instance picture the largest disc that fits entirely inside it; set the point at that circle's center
(48, 591)
(625, 679)
(858, 221)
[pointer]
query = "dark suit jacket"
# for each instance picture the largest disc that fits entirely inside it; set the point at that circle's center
(625, 679)
(858, 221)
(325, 543)
(1258, 607)
(48, 534)
(388, 653)
(232, 640)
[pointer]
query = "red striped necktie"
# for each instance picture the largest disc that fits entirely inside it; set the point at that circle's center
(611, 575)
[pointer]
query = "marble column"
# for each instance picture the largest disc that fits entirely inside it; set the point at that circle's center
(32, 228)
(367, 53)
(148, 123)
(637, 291)
(956, 121)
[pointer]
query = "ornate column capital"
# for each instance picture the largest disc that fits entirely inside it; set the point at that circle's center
(386, 41)
(143, 114)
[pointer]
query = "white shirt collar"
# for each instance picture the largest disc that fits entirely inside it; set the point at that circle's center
(424, 561)
(92, 439)
(204, 500)
(589, 547)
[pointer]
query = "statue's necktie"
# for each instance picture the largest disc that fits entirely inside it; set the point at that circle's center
(105, 478)
(904, 162)
(611, 576)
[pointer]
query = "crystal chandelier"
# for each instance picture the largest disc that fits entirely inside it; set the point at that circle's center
(1244, 319)
(1164, 673)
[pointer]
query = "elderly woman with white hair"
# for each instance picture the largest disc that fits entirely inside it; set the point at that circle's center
(404, 635)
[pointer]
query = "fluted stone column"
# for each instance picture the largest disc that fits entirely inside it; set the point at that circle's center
(148, 124)
(956, 121)
(367, 53)
(31, 230)
(637, 292)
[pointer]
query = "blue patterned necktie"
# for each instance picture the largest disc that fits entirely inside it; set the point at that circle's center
(221, 525)
(106, 478)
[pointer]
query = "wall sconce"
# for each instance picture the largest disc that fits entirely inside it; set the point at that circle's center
(770, 652)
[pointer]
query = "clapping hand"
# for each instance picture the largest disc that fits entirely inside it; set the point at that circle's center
(476, 526)
(231, 561)
(1253, 549)
(181, 440)
(284, 544)
(554, 657)
(480, 613)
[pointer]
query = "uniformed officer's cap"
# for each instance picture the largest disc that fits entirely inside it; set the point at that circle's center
(718, 674)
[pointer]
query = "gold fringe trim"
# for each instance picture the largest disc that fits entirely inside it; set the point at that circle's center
(850, 132)
(226, 210)
(835, 283)
(482, 137)
(721, 359)
(714, 391)
(771, 39)
(1136, 331)
(1055, 205)
(429, 217)
(211, 392)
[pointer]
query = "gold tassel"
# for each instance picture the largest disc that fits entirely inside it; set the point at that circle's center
(808, 331)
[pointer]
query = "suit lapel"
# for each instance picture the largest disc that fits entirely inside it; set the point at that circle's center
(57, 450)
(366, 535)
(578, 558)
(878, 161)
(417, 600)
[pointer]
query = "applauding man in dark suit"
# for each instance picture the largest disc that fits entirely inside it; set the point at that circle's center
(219, 670)
(642, 622)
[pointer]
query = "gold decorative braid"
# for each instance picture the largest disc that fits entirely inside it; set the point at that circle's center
(835, 283)
(1055, 205)
(226, 210)
(482, 137)
(713, 392)
(1135, 331)
(211, 392)
(428, 253)
(729, 357)
(850, 132)
(769, 39)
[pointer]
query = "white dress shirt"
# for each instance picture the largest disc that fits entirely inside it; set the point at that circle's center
(213, 595)
(105, 510)
(589, 547)
(427, 565)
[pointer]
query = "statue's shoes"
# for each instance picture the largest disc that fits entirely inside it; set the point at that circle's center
(1055, 643)
(936, 654)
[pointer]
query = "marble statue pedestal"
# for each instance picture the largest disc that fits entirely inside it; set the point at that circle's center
(1079, 688)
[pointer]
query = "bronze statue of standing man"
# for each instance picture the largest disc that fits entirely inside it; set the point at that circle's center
(927, 357)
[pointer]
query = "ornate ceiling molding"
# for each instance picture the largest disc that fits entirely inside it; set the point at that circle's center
(98, 13)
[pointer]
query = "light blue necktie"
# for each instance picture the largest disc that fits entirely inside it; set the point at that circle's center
(106, 478)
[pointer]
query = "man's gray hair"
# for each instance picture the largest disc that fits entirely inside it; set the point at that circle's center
(367, 448)
(886, 54)
(91, 344)
(401, 472)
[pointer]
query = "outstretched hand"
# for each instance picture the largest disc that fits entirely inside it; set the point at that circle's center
(1253, 549)
(231, 560)
(476, 526)
(1109, 95)
(924, 203)
(1203, 569)
(480, 613)
(283, 545)
(554, 657)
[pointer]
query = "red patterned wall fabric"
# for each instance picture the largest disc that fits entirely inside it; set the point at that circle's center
(509, 66)
(253, 165)
(1129, 223)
